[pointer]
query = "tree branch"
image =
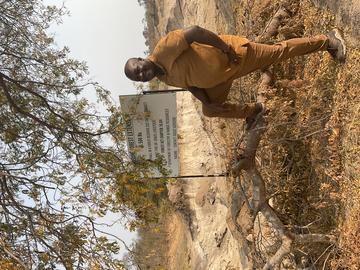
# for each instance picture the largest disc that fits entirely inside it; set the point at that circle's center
(38, 120)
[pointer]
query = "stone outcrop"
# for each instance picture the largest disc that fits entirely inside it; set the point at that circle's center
(201, 202)
(215, 15)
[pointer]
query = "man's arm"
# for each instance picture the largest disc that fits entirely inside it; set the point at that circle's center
(204, 36)
(201, 95)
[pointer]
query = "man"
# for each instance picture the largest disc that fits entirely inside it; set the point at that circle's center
(206, 64)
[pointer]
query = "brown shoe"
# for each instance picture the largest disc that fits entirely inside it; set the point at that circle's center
(336, 46)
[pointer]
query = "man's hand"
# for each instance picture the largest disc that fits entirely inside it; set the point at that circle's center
(201, 95)
(204, 36)
(232, 56)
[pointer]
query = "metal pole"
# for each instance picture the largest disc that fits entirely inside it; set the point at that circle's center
(163, 91)
(193, 176)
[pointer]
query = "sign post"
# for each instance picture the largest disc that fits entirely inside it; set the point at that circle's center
(151, 129)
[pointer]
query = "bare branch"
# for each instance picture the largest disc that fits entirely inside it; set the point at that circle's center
(38, 120)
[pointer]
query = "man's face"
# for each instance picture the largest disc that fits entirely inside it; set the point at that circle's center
(140, 70)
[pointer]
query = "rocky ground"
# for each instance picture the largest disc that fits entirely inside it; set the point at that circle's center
(209, 244)
(308, 154)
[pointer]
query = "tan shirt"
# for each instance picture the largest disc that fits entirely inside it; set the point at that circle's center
(197, 64)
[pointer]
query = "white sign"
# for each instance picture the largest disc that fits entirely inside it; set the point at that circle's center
(151, 128)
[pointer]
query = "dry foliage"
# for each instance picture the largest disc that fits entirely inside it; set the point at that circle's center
(308, 155)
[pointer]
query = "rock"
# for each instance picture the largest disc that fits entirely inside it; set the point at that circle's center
(250, 238)
(176, 196)
(219, 236)
(211, 196)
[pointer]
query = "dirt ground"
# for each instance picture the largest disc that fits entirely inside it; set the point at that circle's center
(308, 155)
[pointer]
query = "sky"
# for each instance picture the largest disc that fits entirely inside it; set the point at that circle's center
(104, 33)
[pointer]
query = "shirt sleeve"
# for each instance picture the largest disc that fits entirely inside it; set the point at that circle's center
(169, 48)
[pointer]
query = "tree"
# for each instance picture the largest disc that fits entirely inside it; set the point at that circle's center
(57, 173)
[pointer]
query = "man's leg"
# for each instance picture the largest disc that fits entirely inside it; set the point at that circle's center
(235, 110)
(219, 94)
(260, 56)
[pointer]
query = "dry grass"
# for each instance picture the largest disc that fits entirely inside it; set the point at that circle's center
(178, 250)
(309, 155)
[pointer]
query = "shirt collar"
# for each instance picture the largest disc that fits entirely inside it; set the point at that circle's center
(153, 60)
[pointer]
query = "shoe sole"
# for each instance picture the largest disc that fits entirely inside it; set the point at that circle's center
(339, 35)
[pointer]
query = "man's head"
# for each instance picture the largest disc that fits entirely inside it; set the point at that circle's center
(139, 69)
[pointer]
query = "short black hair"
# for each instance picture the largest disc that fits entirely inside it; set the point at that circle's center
(127, 70)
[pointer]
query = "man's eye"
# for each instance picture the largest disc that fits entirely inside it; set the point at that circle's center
(138, 73)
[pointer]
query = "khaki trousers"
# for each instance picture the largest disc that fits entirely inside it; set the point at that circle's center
(259, 57)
